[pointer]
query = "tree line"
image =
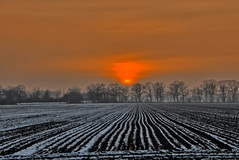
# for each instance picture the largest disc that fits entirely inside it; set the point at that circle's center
(19, 94)
(224, 91)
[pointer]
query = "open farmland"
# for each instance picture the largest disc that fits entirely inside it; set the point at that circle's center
(119, 131)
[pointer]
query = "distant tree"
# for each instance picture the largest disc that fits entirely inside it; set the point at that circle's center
(197, 94)
(9, 95)
(158, 91)
(97, 92)
(73, 95)
(149, 90)
(114, 92)
(58, 94)
(174, 90)
(91, 93)
(21, 93)
(223, 90)
(178, 89)
(35, 94)
(124, 94)
(205, 88)
(183, 90)
(102, 92)
(233, 86)
(2, 95)
(14, 95)
(209, 89)
(46, 97)
(137, 90)
(212, 89)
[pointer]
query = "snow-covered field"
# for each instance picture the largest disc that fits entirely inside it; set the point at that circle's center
(119, 131)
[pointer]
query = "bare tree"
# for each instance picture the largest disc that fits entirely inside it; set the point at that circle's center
(114, 92)
(35, 94)
(183, 90)
(21, 93)
(158, 90)
(197, 94)
(212, 89)
(223, 90)
(178, 89)
(46, 97)
(174, 90)
(58, 94)
(103, 92)
(149, 90)
(205, 89)
(2, 95)
(91, 93)
(124, 94)
(98, 92)
(233, 86)
(73, 95)
(137, 90)
(209, 89)
(13, 95)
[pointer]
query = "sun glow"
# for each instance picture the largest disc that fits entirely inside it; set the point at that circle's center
(127, 81)
(128, 72)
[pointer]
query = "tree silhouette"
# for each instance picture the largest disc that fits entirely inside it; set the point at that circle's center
(137, 91)
(177, 91)
(158, 90)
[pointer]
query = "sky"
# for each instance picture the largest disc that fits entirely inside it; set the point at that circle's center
(59, 43)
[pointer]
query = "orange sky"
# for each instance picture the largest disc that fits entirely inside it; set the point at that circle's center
(59, 43)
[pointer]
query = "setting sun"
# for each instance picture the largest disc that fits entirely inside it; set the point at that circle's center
(128, 72)
(127, 81)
